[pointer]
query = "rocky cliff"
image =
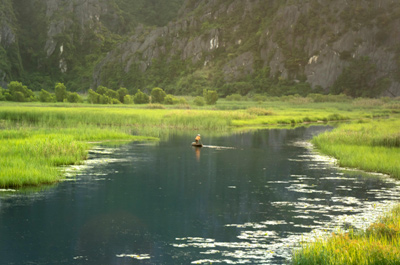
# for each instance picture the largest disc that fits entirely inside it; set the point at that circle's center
(10, 64)
(235, 46)
(229, 41)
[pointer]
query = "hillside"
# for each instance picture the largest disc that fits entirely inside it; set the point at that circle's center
(233, 46)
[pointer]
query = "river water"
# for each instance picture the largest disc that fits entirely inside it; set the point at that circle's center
(244, 198)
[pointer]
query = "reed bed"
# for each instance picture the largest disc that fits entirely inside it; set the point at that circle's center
(379, 244)
(33, 156)
(373, 146)
(30, 122)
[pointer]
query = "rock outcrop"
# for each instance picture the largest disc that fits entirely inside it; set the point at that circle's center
(312, 40)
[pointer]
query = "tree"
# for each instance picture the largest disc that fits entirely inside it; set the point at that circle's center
(210, 96)
(61, 92)
(157, 95)
(359, 80)
(141, 98)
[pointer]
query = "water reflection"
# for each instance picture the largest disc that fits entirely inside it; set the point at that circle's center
(245, 198)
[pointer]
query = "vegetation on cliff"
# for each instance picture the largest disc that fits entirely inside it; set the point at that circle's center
(270, 47)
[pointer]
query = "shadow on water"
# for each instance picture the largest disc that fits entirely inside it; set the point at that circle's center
(243, 198)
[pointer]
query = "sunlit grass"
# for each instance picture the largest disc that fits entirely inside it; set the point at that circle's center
(60, 124)
(32, 157)
(379, 244)
(373, 146)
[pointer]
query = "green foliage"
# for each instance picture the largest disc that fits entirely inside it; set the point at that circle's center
(103, 95)
(74, 97)
(122, 92)
(198, 101)
(359, 79)
(45, 96)
(234, 97)
(2, 94)
(242, 88)
(157, 95)
(210, 96)
(128, 99)
(61, 92)
(141, 98)
(19, 92)
(93, 97)
(170, 100)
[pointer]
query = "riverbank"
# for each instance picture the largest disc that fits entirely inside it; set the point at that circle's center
(379, 244)
(374, 147)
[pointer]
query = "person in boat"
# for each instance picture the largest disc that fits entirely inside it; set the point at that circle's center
(197, 139)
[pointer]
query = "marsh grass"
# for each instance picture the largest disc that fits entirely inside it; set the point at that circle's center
(77, 124)
(373, 146)
(379, 244)
(32, 156)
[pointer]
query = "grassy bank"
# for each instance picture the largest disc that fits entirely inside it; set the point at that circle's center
(379, 244)
(373, 146)
(32, 157)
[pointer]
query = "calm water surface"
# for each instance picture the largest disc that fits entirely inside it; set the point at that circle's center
(247, 198)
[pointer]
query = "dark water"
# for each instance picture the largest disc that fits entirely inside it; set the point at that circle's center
(247, 198)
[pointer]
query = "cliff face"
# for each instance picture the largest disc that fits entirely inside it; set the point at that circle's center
(10, 64)
(311, 40)
(235, 46)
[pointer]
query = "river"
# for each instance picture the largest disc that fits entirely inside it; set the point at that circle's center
(244, 198)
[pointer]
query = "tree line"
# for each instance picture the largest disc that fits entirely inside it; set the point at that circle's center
(18, 92)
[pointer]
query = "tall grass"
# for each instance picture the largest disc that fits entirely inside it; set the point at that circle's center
(31, 157)
(373, 146)
(35, 124)
(379, 244)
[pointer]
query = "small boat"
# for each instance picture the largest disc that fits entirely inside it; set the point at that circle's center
(197, 144)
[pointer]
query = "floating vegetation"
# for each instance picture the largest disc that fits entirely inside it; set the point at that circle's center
(134, 256)
(326, 205)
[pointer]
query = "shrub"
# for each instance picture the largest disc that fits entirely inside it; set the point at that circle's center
(234, 97)
(112, 94)
(128, 99)
(210, 96)
(101, 90)
(259, 97)
(61, 92)
(141, 98)
(19, 96)
(104, 99)
(198, 101)
(19, 92)
(171, 100)
(2, 94)
(45, 96)
(157, 95)
(93, 97)
(122, 92)
(74, 98)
